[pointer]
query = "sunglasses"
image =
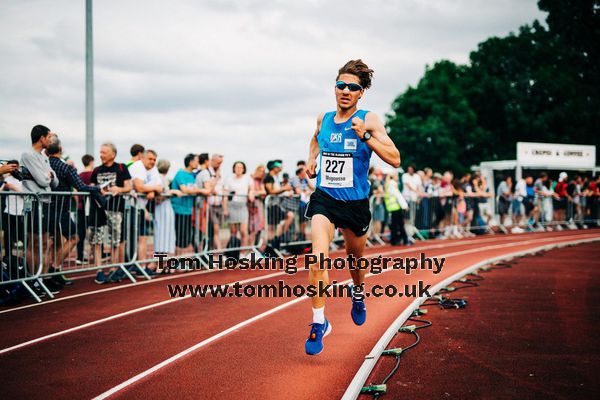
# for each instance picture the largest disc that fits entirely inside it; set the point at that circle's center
(353, 87)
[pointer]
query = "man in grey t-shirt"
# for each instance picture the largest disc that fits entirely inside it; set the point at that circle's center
(40, 178)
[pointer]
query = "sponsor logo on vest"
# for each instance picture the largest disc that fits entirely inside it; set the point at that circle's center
(336, 138)
(349, 144)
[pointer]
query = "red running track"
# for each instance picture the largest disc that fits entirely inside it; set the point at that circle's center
(263, 358)
(528, 332)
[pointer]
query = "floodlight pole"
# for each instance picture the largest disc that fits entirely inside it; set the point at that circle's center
(89, 80)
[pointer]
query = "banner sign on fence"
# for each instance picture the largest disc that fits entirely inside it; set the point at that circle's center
(548, 155)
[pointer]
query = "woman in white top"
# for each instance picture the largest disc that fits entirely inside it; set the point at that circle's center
(14, 227)
(547, 207)
(164, 217)
(239, 188)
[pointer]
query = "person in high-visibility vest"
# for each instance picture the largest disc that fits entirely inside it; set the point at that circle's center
(394, 204)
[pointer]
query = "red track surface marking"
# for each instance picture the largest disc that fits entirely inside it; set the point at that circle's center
(264, 359)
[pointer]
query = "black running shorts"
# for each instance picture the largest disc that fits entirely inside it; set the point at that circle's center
(352, 214)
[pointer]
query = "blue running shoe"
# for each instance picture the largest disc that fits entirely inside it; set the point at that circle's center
(314, 343)
(359, 311)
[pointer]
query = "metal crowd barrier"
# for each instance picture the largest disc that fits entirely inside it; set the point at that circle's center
(21, 247)
(76, 237)
(577, 212)
(86, 238)
(287, 228)
(159, 229)
(126, 237)
(468, 215)
(235, 225)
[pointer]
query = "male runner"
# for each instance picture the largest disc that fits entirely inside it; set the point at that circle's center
(344, 140)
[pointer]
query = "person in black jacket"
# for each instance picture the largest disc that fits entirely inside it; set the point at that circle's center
(62, 227)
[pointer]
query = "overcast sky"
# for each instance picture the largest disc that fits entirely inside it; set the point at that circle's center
(242, 78)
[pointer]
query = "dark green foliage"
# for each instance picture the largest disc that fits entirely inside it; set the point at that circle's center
(539, 85)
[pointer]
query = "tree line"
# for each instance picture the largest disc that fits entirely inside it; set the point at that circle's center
(540, 84)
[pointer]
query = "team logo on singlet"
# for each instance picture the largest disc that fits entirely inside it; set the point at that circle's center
(349, 144)
(336, 138)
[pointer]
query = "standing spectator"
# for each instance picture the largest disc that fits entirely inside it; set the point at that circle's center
(427, 178)
(185, 182)
(503, 198)
(519, 195)
(239, 189)
(210, 180)
(86, 176)
(575, 190)
(164, 217)
(201, 205)
(460, 207)
(276, 211)
(561, 200)
(203, 163)
(146, 182)
(538, 189)
(482, 191)
(13, 214)
(63, 226)
(594, 201)
(547, 196)
(434, 190)
(586, 201)
(115, 181)
(256, 221)
(377, 190)
(303, 188)
(412, 189)
(446, 194)
(136, 152)
(529, 204)
(41, 179)
(468, 191)
(395, 204)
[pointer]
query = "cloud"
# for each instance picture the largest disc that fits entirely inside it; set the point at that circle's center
(243, 78)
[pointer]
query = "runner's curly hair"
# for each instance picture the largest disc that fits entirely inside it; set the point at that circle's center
(360, 69)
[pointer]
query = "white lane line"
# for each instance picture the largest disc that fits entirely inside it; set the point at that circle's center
(371, 359)
(176, 276)
(254, 279)
(116, 316)
(244, 323)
